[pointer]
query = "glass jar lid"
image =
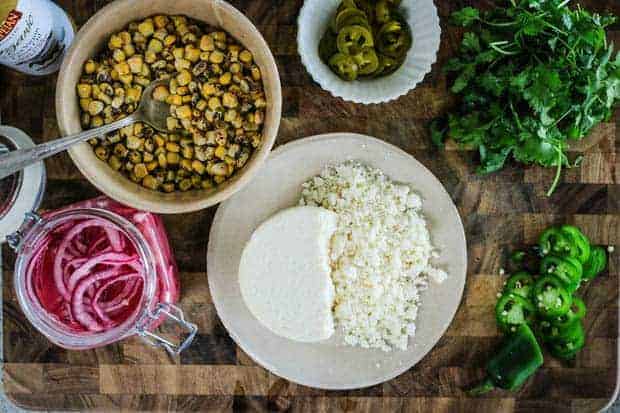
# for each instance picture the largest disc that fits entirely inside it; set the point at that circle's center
(21, 192)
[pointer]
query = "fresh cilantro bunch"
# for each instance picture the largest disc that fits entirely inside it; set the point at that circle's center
(531, 74)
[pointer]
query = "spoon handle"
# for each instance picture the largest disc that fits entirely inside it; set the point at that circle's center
(17, 160)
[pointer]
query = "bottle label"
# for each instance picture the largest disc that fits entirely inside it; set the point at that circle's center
(29, 41)
(10, 23)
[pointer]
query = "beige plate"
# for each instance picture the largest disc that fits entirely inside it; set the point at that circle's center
(330, 364)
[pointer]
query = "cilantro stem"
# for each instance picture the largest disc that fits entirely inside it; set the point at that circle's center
(562, 117)
(495, 46)
(570, 50)
(505, 24)
(564, 3)
(514, 112)
(558, 173)
(551, 26)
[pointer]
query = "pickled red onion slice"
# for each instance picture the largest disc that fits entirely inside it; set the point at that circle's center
(97, 245)
(66, 249)
(97, 277)
(79, 308)
(114, 259)
(115, 239)
(121, 300)
(130, 289)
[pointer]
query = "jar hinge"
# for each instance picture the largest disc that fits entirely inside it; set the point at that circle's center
(175, 313)
(31, 218)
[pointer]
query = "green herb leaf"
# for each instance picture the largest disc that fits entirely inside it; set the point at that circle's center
(530, 75)
(462, 81)
(471, 42)
(439, 128)
(465, 17)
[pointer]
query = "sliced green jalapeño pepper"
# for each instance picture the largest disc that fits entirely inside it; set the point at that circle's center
(368, 7)
(595, 264)
(576, 312)
(394, 39)
(344, 66)
(516, 361)
(555, 241)
(327, 46)
(349, 17)
(513, 310)
(551, 333)
(551, 299)
(387, 65)
(567, 269)
(569, 342)
(382, 12)
(347, 4)
(367, 61)
(352, 39)
(580, 241)
(520, 283)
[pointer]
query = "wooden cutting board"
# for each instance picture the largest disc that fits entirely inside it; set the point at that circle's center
(500, 212)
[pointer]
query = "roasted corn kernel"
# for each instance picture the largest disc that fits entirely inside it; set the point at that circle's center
(217, 104)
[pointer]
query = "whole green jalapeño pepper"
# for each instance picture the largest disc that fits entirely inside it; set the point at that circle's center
(512, 310)
(567, 269)
(516, 361)
(596, 263)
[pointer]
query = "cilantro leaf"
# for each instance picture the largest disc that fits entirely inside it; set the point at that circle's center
(492, 84)
(530, 75)
(471, 42)
(492, 161)
(439, 128)
(466, 16)
(463, 79)
(567, 20)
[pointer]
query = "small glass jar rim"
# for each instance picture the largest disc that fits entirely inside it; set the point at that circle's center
(36, 313)
(18, 180)
(10, 200)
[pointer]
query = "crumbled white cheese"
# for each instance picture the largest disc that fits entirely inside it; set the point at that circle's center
(380, 253)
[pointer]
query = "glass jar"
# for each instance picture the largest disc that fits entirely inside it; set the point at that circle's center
(143, 312)
(20, 192)
(34, 35)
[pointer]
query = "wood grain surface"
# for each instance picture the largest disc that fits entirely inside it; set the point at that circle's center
(500, 212)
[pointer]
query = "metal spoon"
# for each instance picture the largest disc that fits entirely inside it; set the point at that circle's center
(150, 111)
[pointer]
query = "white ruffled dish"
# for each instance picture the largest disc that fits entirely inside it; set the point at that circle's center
(422, 17)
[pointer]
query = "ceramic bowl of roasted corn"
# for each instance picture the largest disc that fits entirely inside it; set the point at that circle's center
(223, 90)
